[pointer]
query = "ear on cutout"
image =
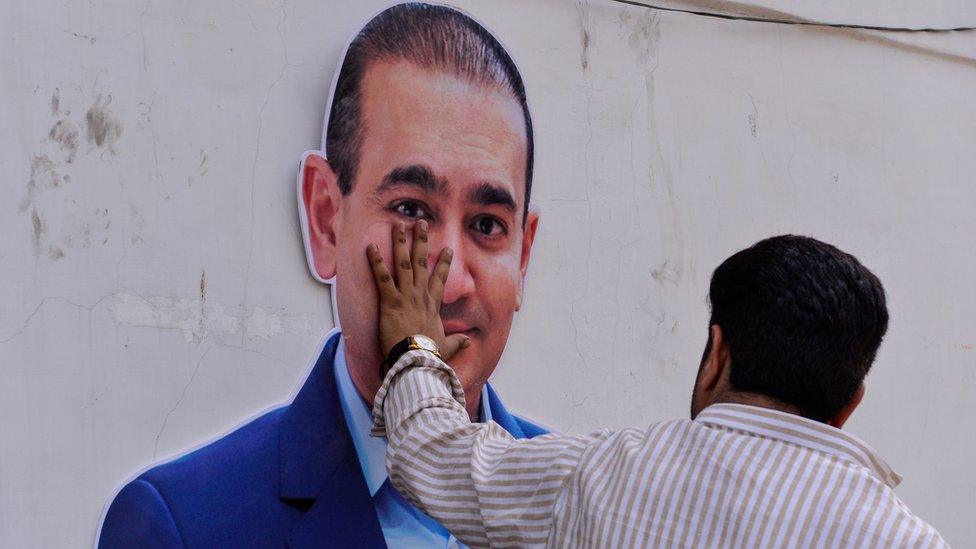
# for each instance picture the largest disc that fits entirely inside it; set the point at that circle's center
(528, 237)
(319, 199)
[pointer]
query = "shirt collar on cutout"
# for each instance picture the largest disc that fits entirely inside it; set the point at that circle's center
(359, 418)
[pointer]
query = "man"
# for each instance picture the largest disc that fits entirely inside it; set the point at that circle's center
(795, 327)
(428, 121)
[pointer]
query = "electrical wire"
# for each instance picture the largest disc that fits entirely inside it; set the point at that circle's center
(801, 22)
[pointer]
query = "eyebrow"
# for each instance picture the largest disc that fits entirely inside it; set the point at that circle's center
(416, 175)
(487, 194)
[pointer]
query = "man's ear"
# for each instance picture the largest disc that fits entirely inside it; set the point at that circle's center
(532, 217)
(841, 418)
(715, 362)
(320, 199)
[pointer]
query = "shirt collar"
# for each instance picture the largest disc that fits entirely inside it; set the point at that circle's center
(359, 418)
(800, 431)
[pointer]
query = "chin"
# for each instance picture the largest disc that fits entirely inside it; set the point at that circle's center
(464, 364)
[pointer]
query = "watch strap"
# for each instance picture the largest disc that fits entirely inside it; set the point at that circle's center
(402, 347)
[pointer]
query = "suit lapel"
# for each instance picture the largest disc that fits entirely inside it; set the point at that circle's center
(318, 466)
(319, 469)
(343, 515)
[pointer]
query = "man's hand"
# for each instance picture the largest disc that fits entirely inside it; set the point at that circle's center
(411, 304)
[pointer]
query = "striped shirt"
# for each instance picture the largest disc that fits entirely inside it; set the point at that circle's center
(735, 476)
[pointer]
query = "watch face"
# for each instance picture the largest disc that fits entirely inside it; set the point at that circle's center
(425, 343)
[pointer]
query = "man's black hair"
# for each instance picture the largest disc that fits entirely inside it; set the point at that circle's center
(435, 38)
(803, 321)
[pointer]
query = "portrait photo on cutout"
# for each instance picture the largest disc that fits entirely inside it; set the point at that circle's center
(427, 119)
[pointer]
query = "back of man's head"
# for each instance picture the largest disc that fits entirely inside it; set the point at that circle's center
(437, 38)
(802, 320)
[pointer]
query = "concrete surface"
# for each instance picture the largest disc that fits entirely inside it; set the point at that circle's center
(155, 294)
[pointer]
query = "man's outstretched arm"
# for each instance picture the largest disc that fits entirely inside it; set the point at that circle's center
(482, 484)
(485, 486)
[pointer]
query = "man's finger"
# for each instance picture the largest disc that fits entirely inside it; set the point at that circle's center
(401, 256)
(384, 281)
(419, 254)
(439, 278)
(454, 345)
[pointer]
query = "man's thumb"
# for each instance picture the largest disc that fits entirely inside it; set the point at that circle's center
(454, 344)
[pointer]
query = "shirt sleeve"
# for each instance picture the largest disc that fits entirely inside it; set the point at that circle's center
(482, 484)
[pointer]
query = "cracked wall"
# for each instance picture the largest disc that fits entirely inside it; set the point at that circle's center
(155, 290)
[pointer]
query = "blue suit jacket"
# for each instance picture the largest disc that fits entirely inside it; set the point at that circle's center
(290, 477)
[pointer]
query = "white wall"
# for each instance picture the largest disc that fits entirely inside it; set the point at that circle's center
(154, 290)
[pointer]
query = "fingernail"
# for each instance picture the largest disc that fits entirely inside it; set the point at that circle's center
(373, 248)
(466, 342)
(450, 253)
(423, 224)
(401, 226)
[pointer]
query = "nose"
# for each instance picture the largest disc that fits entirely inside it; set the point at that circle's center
(460, 281)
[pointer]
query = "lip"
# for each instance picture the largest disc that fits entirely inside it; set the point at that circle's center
(452, 327)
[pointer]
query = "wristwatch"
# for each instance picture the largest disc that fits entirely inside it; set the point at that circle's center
(409, 343)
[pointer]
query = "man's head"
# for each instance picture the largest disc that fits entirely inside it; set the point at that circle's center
(428, 121)
(795, 323)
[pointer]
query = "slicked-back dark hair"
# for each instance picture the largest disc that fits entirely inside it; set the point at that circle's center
(434, 37)
(803, 321)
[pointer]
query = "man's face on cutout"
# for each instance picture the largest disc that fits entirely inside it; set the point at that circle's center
(439, 148)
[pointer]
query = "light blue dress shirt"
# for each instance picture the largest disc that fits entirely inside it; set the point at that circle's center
(403, 524)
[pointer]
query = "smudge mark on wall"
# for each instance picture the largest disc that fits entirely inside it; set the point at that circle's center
(42, 175)
(91, 39)
(198, 318)
(583, 16)
(203, 302)
(37, 231)
(666, 274)
(61, 230)
(261, 323)
(644, 35)
(65, 135)
(139, 224)
(754, 118)
(203, 163)
(103, 129)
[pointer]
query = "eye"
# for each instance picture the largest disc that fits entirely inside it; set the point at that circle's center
(489, 226)
(411, 209)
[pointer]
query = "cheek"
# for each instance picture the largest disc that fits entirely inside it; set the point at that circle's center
(378, 233)
(497, 288)
(352, 246)
(497, 284)
(355, 285)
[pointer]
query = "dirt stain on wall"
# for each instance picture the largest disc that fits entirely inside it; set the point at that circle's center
(65, 135)
(56, 230)
(203, 287)
(583, 15)
(37, 231)
(102, 127)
